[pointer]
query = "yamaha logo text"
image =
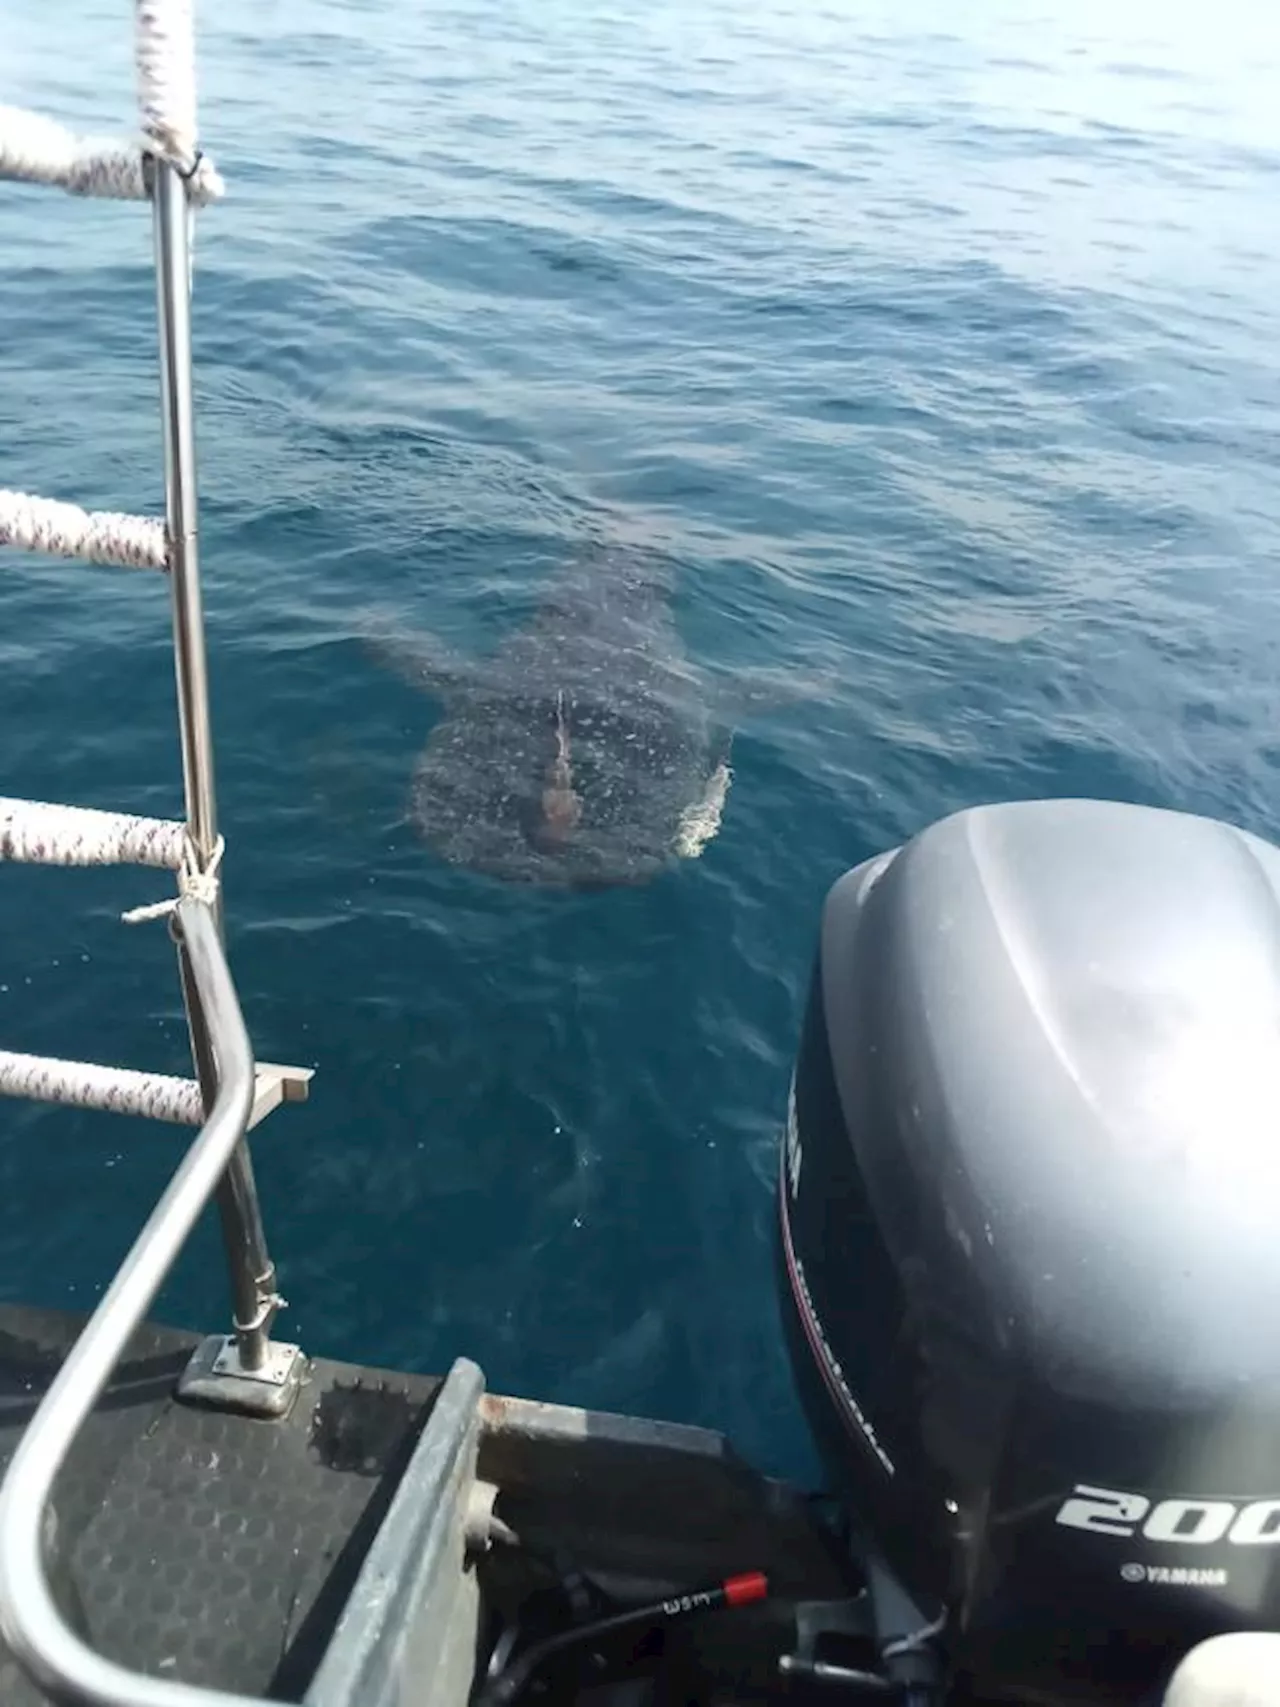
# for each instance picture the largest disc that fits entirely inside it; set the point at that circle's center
(1182, 1576)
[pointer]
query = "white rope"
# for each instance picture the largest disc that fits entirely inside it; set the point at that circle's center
(97, 536)
(118, 1090)
(36, 833)
(166, 62)
(194, 884)
(38, 150)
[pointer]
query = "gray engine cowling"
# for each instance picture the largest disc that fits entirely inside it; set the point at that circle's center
(1031, 1227)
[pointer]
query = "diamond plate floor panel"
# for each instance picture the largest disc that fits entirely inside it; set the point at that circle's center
(201, 1546)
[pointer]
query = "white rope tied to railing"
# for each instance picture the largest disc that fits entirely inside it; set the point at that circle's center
(39, 150)
(38, 833)
(166, 62)
(195, 883)
(96, 536)
(117, 1090)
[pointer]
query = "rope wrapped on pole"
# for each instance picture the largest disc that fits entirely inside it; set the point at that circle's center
(125, 1090)
(165, 53)
(36, 833)
(96, 536)
(116, 1090)
(39, 150)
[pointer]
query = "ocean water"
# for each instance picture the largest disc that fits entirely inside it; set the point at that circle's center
(937, 346)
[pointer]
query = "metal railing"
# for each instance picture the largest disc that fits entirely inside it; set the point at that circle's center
(253, 1276)
(244, 1370)
(169, 170)
(30, 1620)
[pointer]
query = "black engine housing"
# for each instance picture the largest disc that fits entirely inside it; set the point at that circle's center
(1029, 1209)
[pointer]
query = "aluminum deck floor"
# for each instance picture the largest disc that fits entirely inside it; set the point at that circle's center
(213, 1548)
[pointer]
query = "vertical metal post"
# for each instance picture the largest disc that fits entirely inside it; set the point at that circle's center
(253, 1280)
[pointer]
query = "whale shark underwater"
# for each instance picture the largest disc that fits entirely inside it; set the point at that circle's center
(587, 750)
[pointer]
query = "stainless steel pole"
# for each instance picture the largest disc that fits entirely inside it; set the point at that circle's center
(253, 1281)
(32, 1621)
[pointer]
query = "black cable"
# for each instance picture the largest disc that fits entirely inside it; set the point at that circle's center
(503, 1688)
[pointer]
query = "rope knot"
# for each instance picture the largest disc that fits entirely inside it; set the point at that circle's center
(195, 883)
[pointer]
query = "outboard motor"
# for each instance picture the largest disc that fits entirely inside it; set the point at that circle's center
(1030, 1236)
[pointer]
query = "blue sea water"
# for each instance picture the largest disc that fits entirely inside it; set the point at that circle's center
(938, 348)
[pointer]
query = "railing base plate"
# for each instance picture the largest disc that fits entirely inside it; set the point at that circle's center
(215, 1377)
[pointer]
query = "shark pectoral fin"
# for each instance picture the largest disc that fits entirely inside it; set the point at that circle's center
(700, 820)
(747, 691)
(416, 657)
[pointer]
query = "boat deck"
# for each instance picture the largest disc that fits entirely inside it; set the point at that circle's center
(220, 1550)
(194, 1544)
